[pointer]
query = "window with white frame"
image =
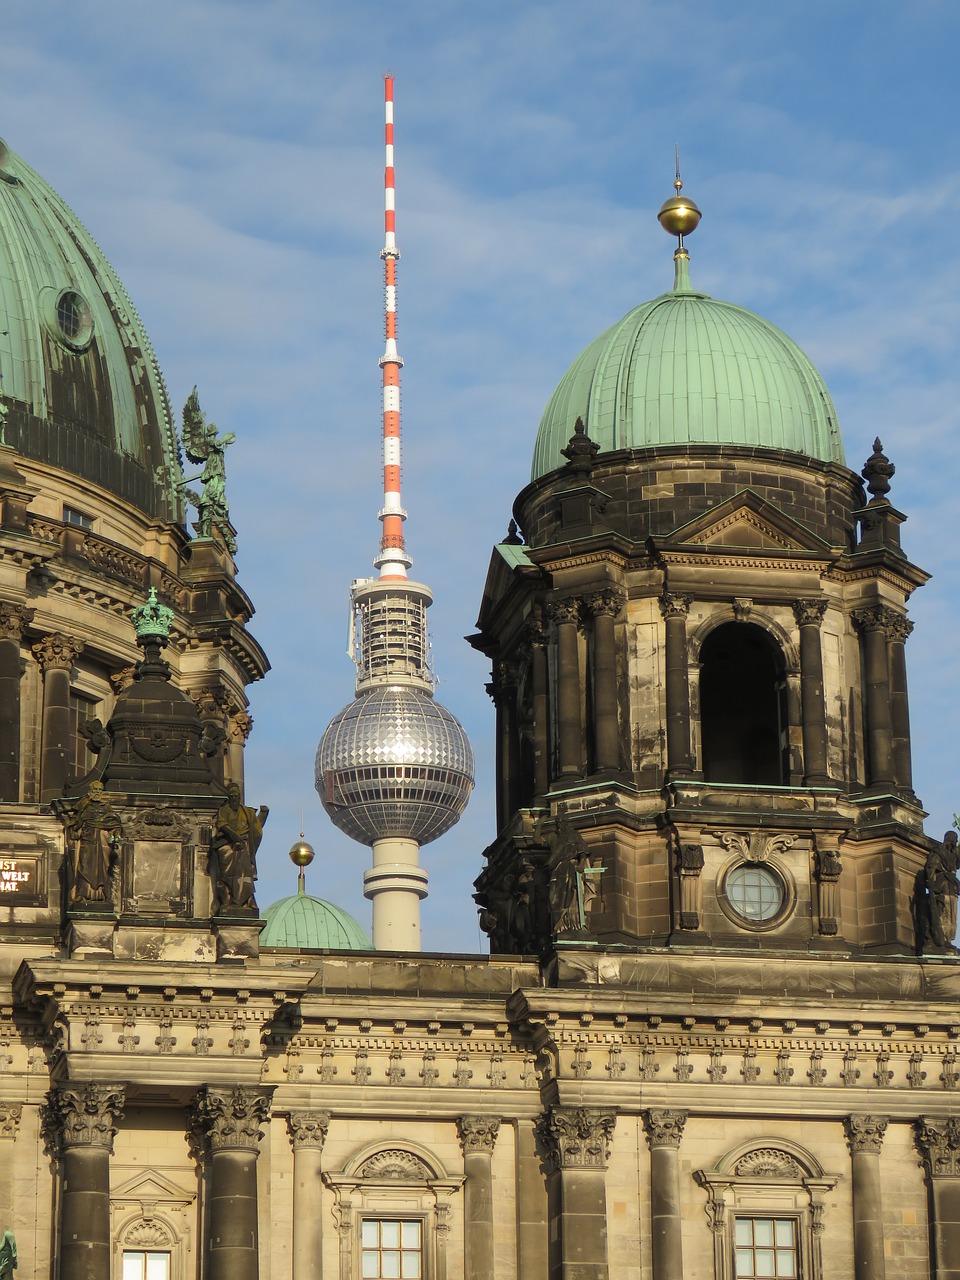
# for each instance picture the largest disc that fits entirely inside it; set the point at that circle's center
(142, 1264)
(765, 1248)
(391, 1249)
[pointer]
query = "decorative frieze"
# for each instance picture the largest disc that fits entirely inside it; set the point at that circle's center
(577, 1137)
(864, 1133)
(664, 1128)
(477, 1134)
(308, 1129)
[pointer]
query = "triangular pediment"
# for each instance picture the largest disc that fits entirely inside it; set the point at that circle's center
(747, 522)
(151, 1187)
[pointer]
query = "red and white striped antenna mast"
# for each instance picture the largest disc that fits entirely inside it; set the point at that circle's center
(393, 560)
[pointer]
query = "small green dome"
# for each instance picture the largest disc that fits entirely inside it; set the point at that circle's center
(313, 925)
(687, 369)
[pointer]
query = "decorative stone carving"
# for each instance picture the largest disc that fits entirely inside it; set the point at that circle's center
(615, 1064)
(148, 1235)
(742, 608)
(755, 846)
(877, 471)
(749, 1070)
(580, 450)
(573, 884)
(394, 1166)
(864, 1133)
(689, 867)
(664, 1128)
(238, 832)
(123, 678)
(829, 865)
(716, 1070)
(768, 1162)
(577, 1137)
(14, 620)
(809, 613)
(900, 628)
(939, 1144)
(83, 1116)
(462, 1074)
(915, 1076)
(95, 830)
(878, 617)
(883, 1075)
(648, 1064)
(674, 604)
(850, 1072)
(57, 652)
(941, 889)
(560, 612)
(607, 602)
(308, 1129)
(477, 1134)
(9, 1119)
(784, 1070)
(231, 1118)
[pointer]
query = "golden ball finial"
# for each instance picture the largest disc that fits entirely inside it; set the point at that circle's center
(679, 215)
(302, 853)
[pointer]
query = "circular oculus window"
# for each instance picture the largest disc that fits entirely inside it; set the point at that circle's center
(755, 892)
(74, 319)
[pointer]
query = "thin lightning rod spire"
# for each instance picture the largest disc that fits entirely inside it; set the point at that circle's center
(393, 560)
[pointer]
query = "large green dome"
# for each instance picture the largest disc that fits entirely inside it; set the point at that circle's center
(687, 369)
(312, 924)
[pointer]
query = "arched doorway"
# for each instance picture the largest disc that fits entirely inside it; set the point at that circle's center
(743, 719)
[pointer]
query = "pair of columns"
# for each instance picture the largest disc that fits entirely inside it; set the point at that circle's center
(80, 1122)
(887, 714)
(14, 620)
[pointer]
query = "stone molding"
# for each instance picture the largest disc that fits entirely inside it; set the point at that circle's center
(674, 604)
(84, 1116)
(14, 620)
(231, 1118)
(809, 613)
(10, 1119)
(477, 1134)
(864, 1133)
(308, 1129)
(664, 1128)
(939, 1144)
(57, 652)
(608, 602)
(577, 1137)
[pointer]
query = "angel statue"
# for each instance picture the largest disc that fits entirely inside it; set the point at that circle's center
(202, 444)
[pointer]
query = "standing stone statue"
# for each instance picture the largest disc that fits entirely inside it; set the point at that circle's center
(202, 444)
(943, 887)
(95, 829)
(8, 1255)
(237, 836)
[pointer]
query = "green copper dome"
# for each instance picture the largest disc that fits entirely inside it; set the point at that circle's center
(687, 369)
(80, 387)
(313, 925)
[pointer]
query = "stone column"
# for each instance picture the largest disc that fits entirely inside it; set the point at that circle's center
(533, 1246)
(864, 1138)
(478, 1136)
(577, 1140)
(503, 691)
(14, 618)
(675, 608)
(939, 1143)
(873, 623)
(231, 1119)
(565, 614)
(897, 633)
(537, 639)
(604, 606)
(80, 1122)
(9, 1124)
(308, 1131)
(664, 1131)
(55, 655)
(813, 712)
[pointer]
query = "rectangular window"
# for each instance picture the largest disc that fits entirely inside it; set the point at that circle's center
(81, 758)
(72, 516)
(139, 1265)
(765, 1249)
(391, 1249)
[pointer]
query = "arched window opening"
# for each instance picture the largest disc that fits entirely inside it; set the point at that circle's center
(743, 718)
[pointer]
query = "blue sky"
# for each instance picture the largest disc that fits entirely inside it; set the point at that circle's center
(227, 156)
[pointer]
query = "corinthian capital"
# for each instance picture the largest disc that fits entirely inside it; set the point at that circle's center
(865, 1133)
(939, 1143)
(607, 602)
(83, 1116)
(664, 1128)
(57, 652)
(308, 1129)
(809, 613)
(674, 604)
(879, 617)
(564, 611)
(477, 1134)
(231, 1118)
(577, 1137)
(14, 619)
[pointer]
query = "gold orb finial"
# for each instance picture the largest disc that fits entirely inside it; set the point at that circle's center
(302, 853)
(679, 215)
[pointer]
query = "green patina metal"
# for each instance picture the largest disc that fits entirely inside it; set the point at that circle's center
(153, 618)
(685, 368)
(79, 380)
(312, 924)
